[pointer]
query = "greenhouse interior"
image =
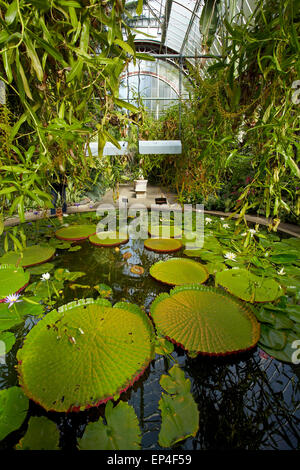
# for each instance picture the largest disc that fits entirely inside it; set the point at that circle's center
(149, 226)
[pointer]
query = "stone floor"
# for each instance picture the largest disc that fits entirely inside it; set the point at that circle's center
(153, 192)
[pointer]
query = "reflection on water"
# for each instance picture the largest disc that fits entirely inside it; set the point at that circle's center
(248, 401)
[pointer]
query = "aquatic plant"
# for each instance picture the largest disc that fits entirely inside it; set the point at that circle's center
(247, 286)
(13, 410)
(163, 245)
(75, 232)
(84, 354)
(205, 320)
(12, 280)
(111, 239)
(179, 271)
(31, 256)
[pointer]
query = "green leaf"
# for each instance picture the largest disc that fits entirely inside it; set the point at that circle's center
(13, 410)
(42, 434)
(11, 12)
(121, 432)
(180, 415)
(179, 271)
(125, 46)
(8, 339)
(84, 354)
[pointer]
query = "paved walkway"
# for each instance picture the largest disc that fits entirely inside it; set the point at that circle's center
(153, 192)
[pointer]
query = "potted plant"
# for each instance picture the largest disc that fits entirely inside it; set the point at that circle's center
(140, 183)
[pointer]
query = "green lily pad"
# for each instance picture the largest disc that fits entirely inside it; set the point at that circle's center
(121, 432)
(42, 434)
(179, 271)
(85, 354)
(289, 353)
(31, 256)
(12, 280)
(111, 239)
(274, 339)
(8, 339)
(38, 270)
(8, 317)
(75, 232)
(205, 320)
(165, 231)
(247, 286)
(180, 415)
(13, 410)
(104, 290)
(163, 245)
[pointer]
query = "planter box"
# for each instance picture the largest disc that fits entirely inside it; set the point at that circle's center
(140, 185)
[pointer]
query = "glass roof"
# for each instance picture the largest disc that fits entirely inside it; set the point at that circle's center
(174, 25)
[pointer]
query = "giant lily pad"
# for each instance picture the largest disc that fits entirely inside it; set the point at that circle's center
(247, 286)
(179, 271)
(110, 239)
(121, 432)
(31, 256)
(85, 354)
(12, 280)
(205, 320)
(13, 410)
(75, 232)
(163, 245)
(165, 231)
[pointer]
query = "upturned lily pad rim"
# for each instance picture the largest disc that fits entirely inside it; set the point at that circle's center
(174, 241)
(248, 309)
(205, 272)
(115, 242)
(133, 308)
(79, 238)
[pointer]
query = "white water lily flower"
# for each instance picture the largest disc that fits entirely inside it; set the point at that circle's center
(226, 225)
(281, 272)
(230, 256)
(208, 220)
(45, 277)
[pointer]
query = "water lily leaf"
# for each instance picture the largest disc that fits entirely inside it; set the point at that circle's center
(274, 339)
(180, 415)
(111, 239)
(8, 339)
(213, 268)
(175, 381)
(163, 245)
(84, 354)
(38, 270)
(104, 290)
(12, 280)
(75, 248)
(287, 353)
(62, 274)
(8, 317)
(13, 410)
(247, 286)
(42, 434)
(165, 231)
(121, 432)
(31, 256)
(284, 258)
(205, 320)
(75, 232)
(178, 271)
(277, 319)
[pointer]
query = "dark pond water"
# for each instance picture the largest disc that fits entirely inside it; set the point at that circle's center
(248, 401)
